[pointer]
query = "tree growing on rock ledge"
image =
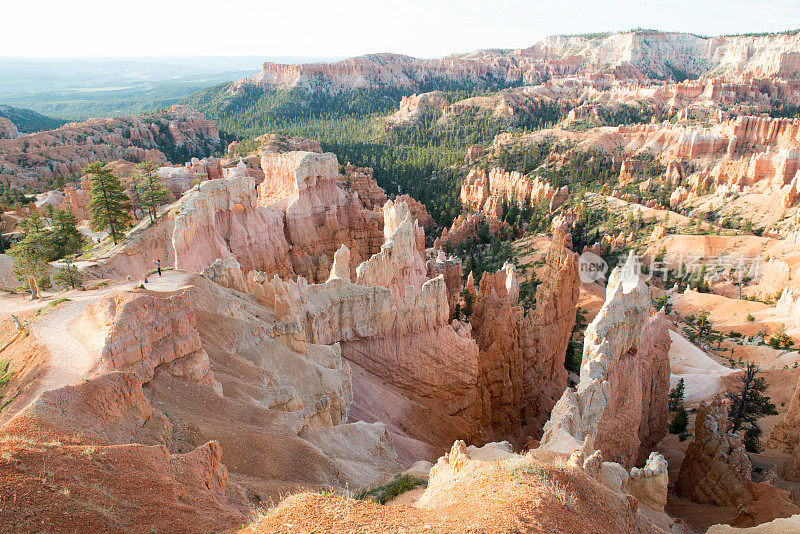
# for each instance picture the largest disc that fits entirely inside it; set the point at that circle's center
(748, 404)
(109, 205)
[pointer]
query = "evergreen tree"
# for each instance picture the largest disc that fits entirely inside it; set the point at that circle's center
(68, 276)
(109, 205)
(679, 422)
(32, 254)
(150, 190)
(676, 396)
(67, 240)
(748, 403)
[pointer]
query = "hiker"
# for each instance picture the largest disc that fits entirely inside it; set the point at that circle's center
(158, 266)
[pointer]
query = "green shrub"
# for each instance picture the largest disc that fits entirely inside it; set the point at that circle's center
(387, 492)
(680, 421)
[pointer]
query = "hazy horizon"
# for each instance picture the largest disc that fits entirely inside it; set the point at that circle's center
(324, 30)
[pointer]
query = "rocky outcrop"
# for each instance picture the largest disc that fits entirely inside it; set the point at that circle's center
(360, 180)
(399, 264)
(788, 306)
(413, 107)
(227, 273)
(77, 197)
(488, 193)
(521, 366)
(318, 215)
(290, 225)
(465, 227)
(144, 334)
(8, 130)
(418, 210)
(37, 158)
(450, 269)
(620, 404)
(408, 342)
(716, 468)
(630, 56)
(222, 219)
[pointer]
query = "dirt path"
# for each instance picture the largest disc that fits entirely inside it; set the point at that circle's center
(70, 360)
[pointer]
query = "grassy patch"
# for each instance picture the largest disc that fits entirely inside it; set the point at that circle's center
(50, 305)
(5, 374)
(163, 269)
(551, 480)
(387, 492)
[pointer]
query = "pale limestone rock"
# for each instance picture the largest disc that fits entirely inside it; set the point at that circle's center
(399, 264)
(341, 265)
(227, 273)
(787, 525)
(319, 216)
(363, 452)
(143, 334)
(292, 225)
(620, 404)
(649, 484)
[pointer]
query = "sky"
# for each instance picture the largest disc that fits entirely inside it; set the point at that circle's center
(343, 28)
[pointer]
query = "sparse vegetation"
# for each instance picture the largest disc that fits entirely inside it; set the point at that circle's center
(386, 492)
(748, 404)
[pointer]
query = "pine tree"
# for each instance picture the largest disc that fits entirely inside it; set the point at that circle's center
(748, 404)
(109, 205)
(679, 422)
(150, 191)
(66, 237)
(68, 275)
(676, 396)
(32, 254)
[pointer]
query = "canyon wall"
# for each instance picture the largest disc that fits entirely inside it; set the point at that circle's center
(522, 351)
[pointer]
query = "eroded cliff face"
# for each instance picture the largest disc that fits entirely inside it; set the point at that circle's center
(319, 216)
(33, 159)
(290, 225)
(393, 325)
(145, 334)
(522, 351)
(634, 55)
(222, 219)
(488, 193)
(620, 404)
(271, 416)
(360, 180)
(400, 263)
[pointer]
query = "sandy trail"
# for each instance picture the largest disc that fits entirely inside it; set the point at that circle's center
(70, 360)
